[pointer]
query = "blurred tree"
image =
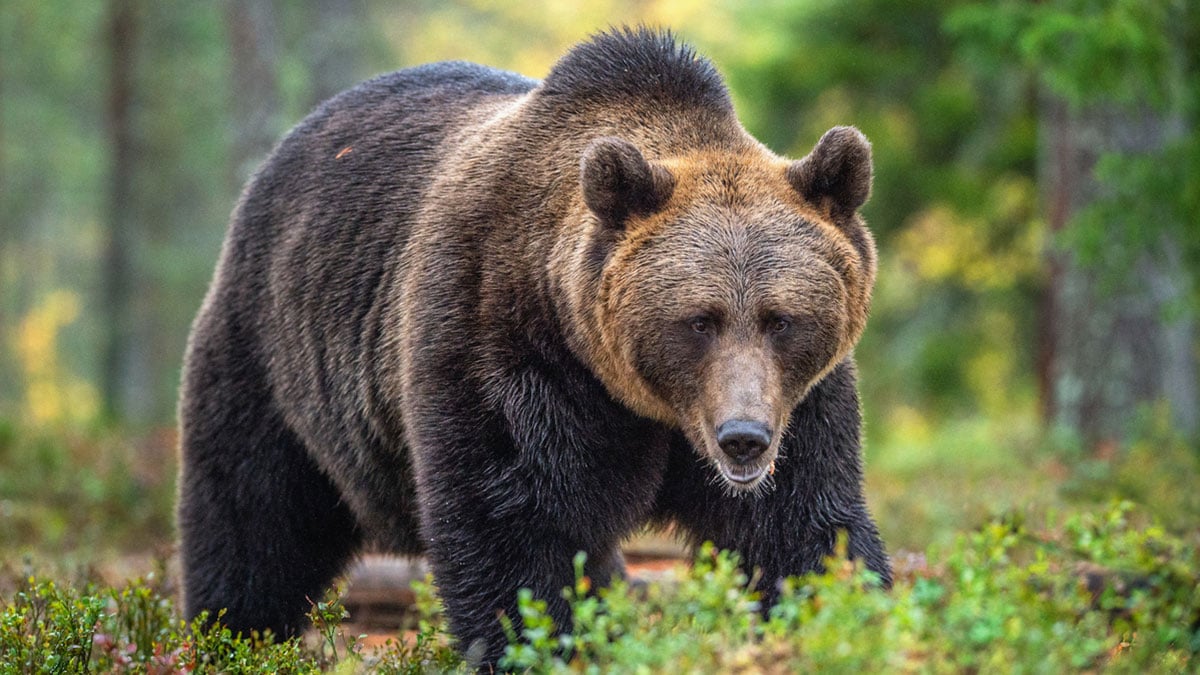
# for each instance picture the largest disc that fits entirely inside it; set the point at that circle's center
(8, 239)
(120, 237)
(250, 27)
(1110, 342)
(185, 137)
(53, 168)
(334, 49)
(167, 194)
(1117, 121)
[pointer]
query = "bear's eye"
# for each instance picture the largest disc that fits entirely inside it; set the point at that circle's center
(702, 325)
(779, 324)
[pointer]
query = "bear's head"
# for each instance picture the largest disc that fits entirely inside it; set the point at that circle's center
(714, 289)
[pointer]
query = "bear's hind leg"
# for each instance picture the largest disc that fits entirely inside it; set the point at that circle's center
(262, 529)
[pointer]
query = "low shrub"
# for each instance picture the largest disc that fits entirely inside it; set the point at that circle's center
(1108, 591)
(1100, 592)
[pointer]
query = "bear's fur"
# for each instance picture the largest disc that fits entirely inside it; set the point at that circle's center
(466, 314)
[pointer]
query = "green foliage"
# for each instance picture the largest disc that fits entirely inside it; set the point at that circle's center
(708, 618)
(46, 628)
(1150, 206)
(1109, 590)
(1131, 58)
(83, 489)
(215, 649)
(428, 651)
(928, 480)
(1083, 50)
(137, 631)
(1102, 591)
(50, 629)
(1157, 471)
(326, 615)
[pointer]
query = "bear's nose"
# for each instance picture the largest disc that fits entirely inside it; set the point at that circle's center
(743, 440)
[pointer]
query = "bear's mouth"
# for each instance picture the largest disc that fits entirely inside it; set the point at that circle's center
(749, 477)
(744, 476)
(739, 475)
(744, 468)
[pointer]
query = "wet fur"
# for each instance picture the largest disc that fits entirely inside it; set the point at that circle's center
(415, 341)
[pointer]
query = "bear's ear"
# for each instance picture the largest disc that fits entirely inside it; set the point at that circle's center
(838, 170)
(618, 182)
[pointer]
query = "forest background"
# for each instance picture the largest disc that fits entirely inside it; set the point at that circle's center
(1032, 345)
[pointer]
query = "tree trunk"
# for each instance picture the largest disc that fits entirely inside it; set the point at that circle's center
(8, 239)
(251, 29)
(336, 35)
(117, 271)
(1110, 341)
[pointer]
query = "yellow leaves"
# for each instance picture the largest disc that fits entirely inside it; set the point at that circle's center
(992, 252)
(938, 244)
(51, 394)
(989, 371)
(907, 422)
(944, 246)
(899, 127)
(548, 28)
(36, 333)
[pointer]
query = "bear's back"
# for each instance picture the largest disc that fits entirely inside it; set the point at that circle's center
(380, 136)
(319, 229)
(359, 163)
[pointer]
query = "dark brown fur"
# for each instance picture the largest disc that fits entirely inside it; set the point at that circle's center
(505, 327)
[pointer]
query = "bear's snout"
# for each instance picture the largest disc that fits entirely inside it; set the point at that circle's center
(743, 440)
(746, 456)
(739, 413)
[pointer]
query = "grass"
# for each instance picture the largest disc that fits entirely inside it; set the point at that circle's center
(92, 493)
(926, 483)
(1112, 592)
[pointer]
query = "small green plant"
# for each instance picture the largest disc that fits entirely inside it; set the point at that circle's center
(44, 628)
(326, 616)
(703, 622)
(48, 628)
(137, 629)
(213, 648)
(429, 651)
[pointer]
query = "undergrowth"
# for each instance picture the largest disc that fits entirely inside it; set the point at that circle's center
(84, 490)
(1100, 592)
(1106, 591)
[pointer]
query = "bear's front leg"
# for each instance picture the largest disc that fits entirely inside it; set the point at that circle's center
(509, 507)
(788, 524)
(516, 473)
(479, 565)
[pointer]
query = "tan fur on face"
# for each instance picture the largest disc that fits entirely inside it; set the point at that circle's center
(752, 183)
(739, 382)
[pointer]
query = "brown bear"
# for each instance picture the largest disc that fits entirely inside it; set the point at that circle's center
(497, 321)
